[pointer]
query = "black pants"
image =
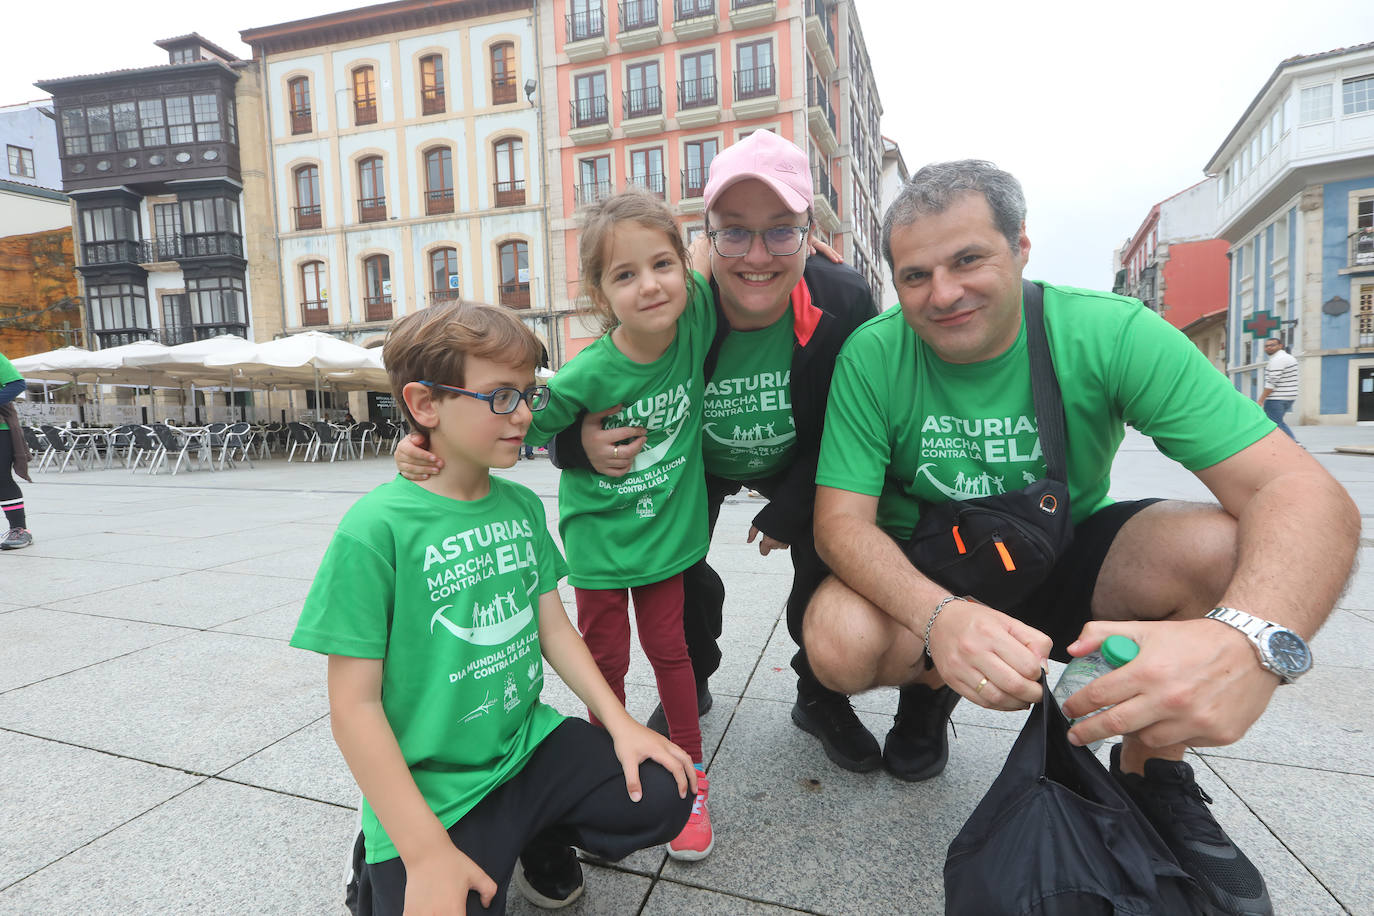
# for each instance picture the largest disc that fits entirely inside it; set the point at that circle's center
(8, 488)
(571, 791)
(703, 592)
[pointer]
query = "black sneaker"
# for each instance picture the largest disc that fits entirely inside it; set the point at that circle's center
(917, 747)
(829, 716)
(658, 721)
(550, 878)
(1176, 806)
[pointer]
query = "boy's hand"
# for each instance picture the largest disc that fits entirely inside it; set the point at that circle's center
(438, 884)
(413, 461)
(634, 744)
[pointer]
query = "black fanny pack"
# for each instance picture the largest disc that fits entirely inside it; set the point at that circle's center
(1000, 548)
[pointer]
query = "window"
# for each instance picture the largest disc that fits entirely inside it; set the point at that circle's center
(364, 96)
(377, 284)
(585, 21)
(75, 141)
(439, 180)
(593, 179)
(698, 155)
(1357, 95)
(151, 122)
(754, 69)
(371, 190)
(431, 84)
(589, 102)
(646, 169)
(180, 128)
(21, 161)
(1280, 239)
(207, 117)
(217, 306)
(314, 306)
(1315, 104)
(109, 235)
(101, 128)
(510, 172)
(698, 86)
(211, 227)
(299, 91)
(638, 14)
(166, 232)
(119, 313)
(1264, 143)
(443, 275)
(125, 124)
(307, 182)
(502, 73)
(688, 9)
(515, 274)
(176, 319)
(1364, 318)
(644, 96)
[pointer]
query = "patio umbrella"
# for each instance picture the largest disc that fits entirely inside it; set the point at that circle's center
(312, 354)
(95, 367)
(187, 361)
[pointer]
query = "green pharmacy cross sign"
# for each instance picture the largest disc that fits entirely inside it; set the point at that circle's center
(1261, 324)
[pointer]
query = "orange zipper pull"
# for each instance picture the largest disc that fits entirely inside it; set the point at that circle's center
(1006, 556)
(958, 541)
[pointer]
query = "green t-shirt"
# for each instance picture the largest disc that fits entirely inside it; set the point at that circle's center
(650, 524)
(7, 374)
(748, 430)
(447, 593)
(904, 425)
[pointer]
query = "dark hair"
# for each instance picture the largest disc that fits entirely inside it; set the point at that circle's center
(433, 344)
(936, 186)
(598, 223)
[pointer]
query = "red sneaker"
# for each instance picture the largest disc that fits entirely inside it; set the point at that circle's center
(696, 839)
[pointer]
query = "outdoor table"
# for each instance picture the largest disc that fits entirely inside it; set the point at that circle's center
(201, 435)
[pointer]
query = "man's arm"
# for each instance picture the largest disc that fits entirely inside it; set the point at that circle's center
(439, 876)
(969, 641)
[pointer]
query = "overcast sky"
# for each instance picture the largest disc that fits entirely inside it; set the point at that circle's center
(1101, 109)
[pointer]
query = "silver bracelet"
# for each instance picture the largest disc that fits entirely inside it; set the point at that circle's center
(931, 622)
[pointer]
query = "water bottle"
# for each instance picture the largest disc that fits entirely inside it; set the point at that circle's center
(1114, 652)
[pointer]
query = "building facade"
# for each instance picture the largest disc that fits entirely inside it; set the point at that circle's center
(29, 134)
(1175, 266)
(890, 181)
(404, 164)
(1295, 191)
(646, 92)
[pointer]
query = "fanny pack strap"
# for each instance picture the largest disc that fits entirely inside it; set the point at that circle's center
(1049, 403)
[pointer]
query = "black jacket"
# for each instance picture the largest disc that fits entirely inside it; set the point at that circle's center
(842, 301)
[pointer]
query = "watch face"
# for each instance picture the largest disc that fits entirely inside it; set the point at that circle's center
(1288, 653)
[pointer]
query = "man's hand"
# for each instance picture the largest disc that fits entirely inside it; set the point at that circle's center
(1196, 682)
(439, 883)
(635, 744)
(972, 643)
(413, 461)
(766, 544)
(608, 450)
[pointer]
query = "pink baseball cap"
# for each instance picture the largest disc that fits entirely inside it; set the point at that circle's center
(764, 155)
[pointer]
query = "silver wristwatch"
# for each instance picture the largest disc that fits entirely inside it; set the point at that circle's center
(1280, 649)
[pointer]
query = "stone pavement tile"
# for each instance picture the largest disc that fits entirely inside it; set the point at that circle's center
(217, 550)
(274, 623)
(1322, 722)
(669, 898)
(188, 523)
(217, 848)
(1345, 641)
(306, 763)
(98, 544)
(203, 702)
(610, 892)
(35, 580)
(1326, 820)
(57, 798)
(299, 561)
(29, 652)
(200, 599)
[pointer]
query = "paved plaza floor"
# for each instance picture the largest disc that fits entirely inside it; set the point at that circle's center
(163, 750)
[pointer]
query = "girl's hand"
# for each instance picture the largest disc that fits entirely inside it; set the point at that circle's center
(413, 461)
(816, 246)
(635, 744)
(439, 884)
(699, 256)
(607, 449)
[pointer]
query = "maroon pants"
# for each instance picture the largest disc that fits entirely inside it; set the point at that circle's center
(603, 617)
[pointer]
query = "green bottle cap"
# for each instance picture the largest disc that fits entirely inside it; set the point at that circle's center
(1118, 650)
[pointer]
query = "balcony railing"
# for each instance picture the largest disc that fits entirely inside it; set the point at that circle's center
(122, 251)
(314, 312)
(440, 201)
(378, 308)
(510, 193)
(443, 295)
(754, 84)
(300, 121)
(638, 14)
(697, 93)
(640, 103)
(175, 335)
(1362, 248)
(819, 9)
(365, 110)
(693, 9)
(371, 209)
(515, 295)
(585, 25)
(591, 110)
(592, 191)
(211, 244)
(165, 248)
(308, 217)
(818, 97)
(432, 100)
(653, 182)
(694, 181)
(117, 337)
(825, 188)
(741, 4)
(503, 89)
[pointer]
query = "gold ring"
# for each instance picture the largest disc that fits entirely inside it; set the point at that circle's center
(981, 684)
(615, 452)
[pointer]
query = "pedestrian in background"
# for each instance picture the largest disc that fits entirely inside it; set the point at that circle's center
(14, 454)
(1280, 384)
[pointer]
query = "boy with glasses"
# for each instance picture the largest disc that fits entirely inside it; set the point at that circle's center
(435, 602)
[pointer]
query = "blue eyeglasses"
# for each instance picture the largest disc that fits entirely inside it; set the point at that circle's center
(503, 400)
